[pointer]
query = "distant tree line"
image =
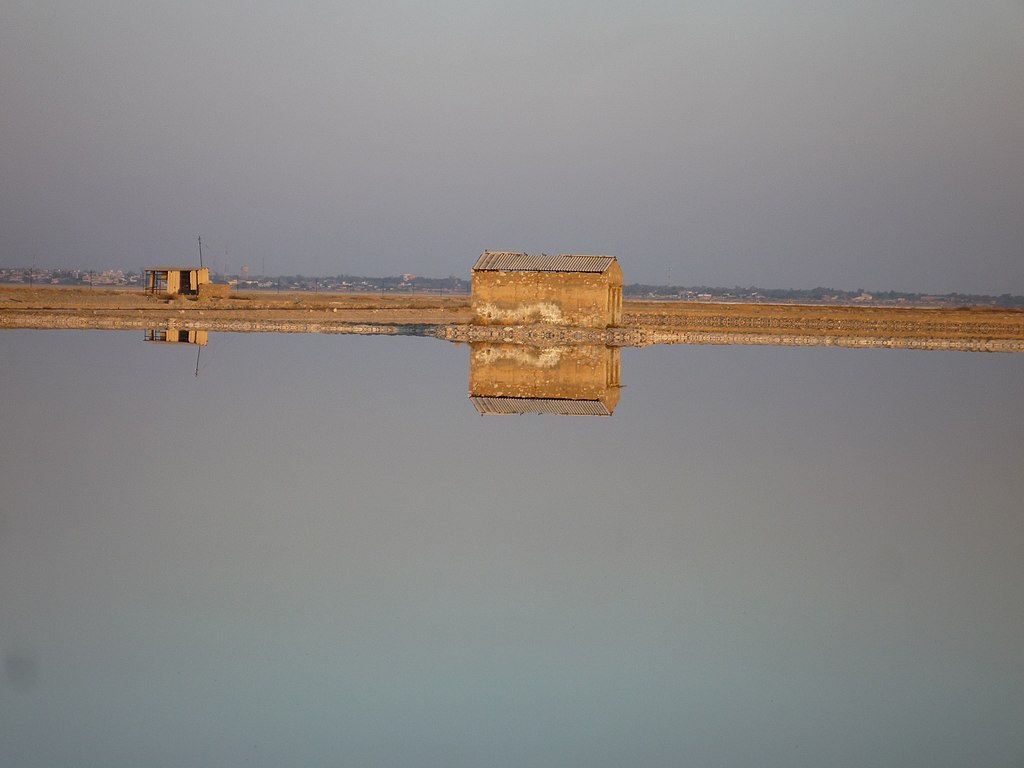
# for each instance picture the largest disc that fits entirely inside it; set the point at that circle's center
(453, 284)
(818, 295)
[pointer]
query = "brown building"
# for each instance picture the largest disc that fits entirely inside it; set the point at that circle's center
(573, 380)
(176, 280)
(519, 289)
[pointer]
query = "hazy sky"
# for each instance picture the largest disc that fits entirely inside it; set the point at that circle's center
(850, 144)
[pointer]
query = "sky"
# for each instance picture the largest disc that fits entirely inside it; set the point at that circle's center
(868, 145)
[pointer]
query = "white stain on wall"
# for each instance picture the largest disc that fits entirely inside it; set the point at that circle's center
(537, 312)
(532, 357)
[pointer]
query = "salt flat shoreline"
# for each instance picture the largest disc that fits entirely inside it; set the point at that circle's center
(450, 317)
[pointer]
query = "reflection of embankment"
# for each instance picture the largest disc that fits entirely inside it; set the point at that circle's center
(575, 380)
(545, 335)
(832, 340)
(643, 337)
(143, 322)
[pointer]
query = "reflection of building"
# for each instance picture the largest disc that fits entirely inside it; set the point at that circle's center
(517, 378)
(177, 336)
(519, 289)
(175, 280)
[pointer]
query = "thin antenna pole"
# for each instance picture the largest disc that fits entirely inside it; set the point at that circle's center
(200, 251)
(199, 351)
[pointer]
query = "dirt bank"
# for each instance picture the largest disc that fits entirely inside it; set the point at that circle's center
(643, 322)
(248, 307)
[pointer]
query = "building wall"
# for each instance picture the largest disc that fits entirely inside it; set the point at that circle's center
(186, 280)
(577, 372)
(173, 282)
(587, 299)
(199, 277)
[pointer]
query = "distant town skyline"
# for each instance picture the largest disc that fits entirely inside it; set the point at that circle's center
(409, 283)
(728, 143)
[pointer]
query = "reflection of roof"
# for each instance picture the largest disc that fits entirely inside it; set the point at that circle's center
(520, 405)
(490, 261)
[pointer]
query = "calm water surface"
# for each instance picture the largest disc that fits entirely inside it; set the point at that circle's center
(317, 553)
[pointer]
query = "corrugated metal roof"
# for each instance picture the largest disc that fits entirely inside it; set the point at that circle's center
(504, 406)
(491, 261)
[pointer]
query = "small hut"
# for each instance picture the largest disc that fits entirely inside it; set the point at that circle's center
(176, 280)
(568, 289)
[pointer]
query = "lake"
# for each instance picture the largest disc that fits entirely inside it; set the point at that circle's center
(317, 552)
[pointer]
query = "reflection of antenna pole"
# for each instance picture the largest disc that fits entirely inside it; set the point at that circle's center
(200, 251)
(199, 351)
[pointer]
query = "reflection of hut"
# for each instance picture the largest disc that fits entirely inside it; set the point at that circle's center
(517, 378)
(177, 336)
(519, 289)
(176, 280)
